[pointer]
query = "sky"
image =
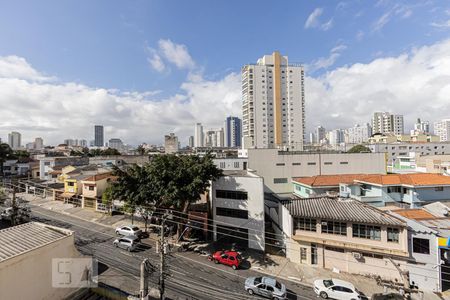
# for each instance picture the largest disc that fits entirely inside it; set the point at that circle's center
(144, 69)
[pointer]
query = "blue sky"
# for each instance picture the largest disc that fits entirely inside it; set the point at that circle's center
(110, 44)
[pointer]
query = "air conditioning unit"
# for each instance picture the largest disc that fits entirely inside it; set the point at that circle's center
(357, 255)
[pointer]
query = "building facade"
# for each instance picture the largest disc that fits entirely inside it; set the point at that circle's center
(273, 107)
(115, 144)
(171, 143)
(320, 134)
(99, 136)
(233, 132)
(384, 122)
(198, 135)
(15, 140)
(442, 129)
(358, 134)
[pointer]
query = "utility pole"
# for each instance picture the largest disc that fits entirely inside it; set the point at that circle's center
(14, 207)
(162, 254)
(143, 293)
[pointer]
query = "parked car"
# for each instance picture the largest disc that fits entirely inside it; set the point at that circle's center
(266, 287)
(128, 243)
(129, 230)
(336, 289)
(389, 296)
(229, 258)
(23, 215)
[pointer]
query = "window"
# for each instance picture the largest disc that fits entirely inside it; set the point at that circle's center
(335, 249)
(311, 164)
(222, 165)
(305, 224)
(232, 213)
(392, 235)
(47, 163)
(333, 227)
(280, 180)
(372, 255)
(394, 189)
(303, 252)
(280, 164)
(328, 163)
(344, 162)
(367, 232)
(236, 164)
(296, 164)
(421, 246)
(91, 187)
(70, 183)
(439, 189)
(234, 195)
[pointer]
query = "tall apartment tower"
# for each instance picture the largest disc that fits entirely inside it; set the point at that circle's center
(191, 141)
(273, 104)
(98, 136)
(171, 143)
(384, 122)
(442, 130)
(198, 135)
(320, 134)
(233, 132)
(15, 140)
(38, 143)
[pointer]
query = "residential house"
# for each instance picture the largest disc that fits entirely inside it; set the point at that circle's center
(47, 164)
(345, 235)
(313, 186)
(93, 188)
(407, 190)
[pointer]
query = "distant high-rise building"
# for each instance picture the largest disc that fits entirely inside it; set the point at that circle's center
(198, 135)
(70, 142)
(214, 138)
(171, 144)
(312, 138)
(98, 136)
(336, 137)
(115, 143)
(358, 134)
(82, 143)
(421, 127)
(273, 103)
(320, 134)
(191, 141)
(442, 130)
(38, 143)
(233, 132)
(15, 140)
(384, 122)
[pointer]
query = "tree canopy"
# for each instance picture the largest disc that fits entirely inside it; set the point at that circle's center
(359, 149)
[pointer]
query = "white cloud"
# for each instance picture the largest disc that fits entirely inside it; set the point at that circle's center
(359, 35)
(59, 110)
(313, 19)
(156, 62)
(381, 21)
(441, 25)
(416, 84)
(176, 54)
(328, 25)
(18, 67)
(326, 62)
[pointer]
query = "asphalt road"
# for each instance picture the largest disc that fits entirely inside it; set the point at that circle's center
(191, 276)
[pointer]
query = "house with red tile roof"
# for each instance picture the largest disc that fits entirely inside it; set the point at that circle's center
(406, 190)
(312, 186)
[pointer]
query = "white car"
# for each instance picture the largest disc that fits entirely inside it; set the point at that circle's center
(336, 289)
(129, 230)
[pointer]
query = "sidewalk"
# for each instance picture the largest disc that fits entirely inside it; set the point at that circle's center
(271, 265)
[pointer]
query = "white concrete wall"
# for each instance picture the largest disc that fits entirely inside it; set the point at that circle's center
(253, 185)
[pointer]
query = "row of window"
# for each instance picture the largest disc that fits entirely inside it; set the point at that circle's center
(312, 163)
(234, 195)
(340, 228)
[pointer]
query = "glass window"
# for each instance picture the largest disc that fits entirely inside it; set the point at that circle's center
(393, 235)
(234, 195)
(421, 246)
(305, 224)
(439, 189)
(367, 232)
(280, 180)
(333, 227)
(233, 213)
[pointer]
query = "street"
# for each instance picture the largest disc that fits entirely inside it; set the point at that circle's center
(191, 276)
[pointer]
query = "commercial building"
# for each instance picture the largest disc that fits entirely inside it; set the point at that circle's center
(273, 107)
(116, 144)
(344, 235)
(15, 140)
(384, 122)
(171, 143)
(198, 135)
(233, 132)
(279, 167)
(27, 254)
(442, 129)
(358, 134)
(98, 136)
(406, 190)
(237, 204)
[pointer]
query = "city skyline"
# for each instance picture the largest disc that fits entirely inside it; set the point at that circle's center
(356, 63)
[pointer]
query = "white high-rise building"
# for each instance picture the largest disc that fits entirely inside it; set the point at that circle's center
(336, 137)
(320, 134)
(358, 134)
(15, 140)
(191, 141)
(198, 135)
(171, 144)
(442, 130)
(115, 143)
(214, 138)
(38, 143)
(421, 127)
(384, 122)
(273, 103)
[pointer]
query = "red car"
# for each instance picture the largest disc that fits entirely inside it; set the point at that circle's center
(229, 258)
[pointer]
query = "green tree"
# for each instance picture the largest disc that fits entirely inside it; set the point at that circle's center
(140, 150)
(5, 154)
(181, 180)
(359, 149)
